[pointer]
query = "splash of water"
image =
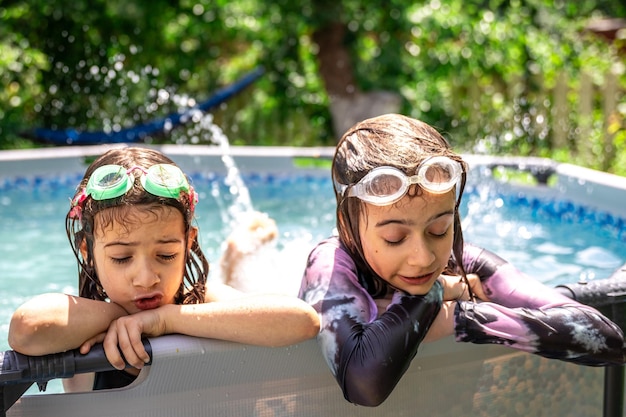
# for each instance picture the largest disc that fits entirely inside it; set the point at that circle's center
(204, 130)
(251, 245)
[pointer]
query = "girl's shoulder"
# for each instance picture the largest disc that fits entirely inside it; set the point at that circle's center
(330, 265)
(330, 251)
(332, 276)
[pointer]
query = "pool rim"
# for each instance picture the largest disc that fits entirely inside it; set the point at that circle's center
(598, 190)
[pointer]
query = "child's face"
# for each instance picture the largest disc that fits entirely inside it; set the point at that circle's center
(141, 263)
(408, 244)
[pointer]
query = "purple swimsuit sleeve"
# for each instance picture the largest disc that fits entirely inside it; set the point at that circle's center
(525, 314)
(367, 353)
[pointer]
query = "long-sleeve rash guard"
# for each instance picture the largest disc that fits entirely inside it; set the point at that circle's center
(524, 314)
(369, 352)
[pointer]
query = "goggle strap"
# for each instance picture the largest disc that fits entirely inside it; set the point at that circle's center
(341, 188)
(130, 170)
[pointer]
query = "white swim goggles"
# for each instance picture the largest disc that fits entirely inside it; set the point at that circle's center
(111, 181)
(385, 185)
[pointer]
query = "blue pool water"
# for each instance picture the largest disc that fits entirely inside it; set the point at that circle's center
(556, 242)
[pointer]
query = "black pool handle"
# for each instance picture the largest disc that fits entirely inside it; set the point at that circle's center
(598, 293)
(18, 372)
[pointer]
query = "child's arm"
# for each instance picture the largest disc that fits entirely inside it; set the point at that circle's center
(527, 315)
(79, 383)
(367, 352)
(443, 325)
(454, 290)
(51, 323)
(263, 320)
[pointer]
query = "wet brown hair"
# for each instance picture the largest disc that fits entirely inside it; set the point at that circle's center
(79, 223)
(390, 140)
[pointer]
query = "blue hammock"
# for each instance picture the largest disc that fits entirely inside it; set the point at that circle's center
(139, 132)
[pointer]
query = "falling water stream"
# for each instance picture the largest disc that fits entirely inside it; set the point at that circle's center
(242, 203)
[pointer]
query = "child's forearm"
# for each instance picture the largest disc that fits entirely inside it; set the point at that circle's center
(52, 323)
(263, 320)
(443, 326)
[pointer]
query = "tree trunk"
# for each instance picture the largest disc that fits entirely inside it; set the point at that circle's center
(334, 60)
(348, 105)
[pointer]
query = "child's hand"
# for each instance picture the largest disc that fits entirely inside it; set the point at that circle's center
(455, 288)
(443, 325)
(88, 344)
(477, 287)
(123, 338)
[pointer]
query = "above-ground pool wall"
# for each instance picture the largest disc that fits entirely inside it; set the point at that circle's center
(255, 160)
(599, 190)
(592, 189)
(47, 161)
(195, 377)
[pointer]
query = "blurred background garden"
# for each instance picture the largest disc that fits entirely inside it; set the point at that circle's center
(519, 77)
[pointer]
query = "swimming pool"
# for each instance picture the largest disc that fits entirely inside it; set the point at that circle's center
(555, 240)
(571, 231)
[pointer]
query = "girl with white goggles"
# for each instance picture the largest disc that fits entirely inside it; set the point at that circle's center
(385, 185)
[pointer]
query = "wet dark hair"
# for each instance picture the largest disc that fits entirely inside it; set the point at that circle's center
(79, 223)
(389, 140)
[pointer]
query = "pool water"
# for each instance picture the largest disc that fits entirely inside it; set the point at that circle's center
(556, 242)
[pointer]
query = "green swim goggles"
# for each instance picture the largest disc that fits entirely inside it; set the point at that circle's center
(112, 181)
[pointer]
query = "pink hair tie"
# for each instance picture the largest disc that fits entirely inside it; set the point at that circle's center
(193, 198)
(76, 212)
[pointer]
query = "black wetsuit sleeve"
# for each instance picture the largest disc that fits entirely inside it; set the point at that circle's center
(374, 356)
(368, 353)
(525, 314)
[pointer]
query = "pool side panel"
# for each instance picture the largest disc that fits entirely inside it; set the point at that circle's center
(599, 190)
(596, 189)
(199, 377)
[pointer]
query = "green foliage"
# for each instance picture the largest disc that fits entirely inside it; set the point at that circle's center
(105, 65)
(482, 71)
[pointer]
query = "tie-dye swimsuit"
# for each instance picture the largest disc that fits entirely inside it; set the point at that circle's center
(368, 353)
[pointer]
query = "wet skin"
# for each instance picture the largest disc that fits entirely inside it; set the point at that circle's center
(140, 264)
(408, 244)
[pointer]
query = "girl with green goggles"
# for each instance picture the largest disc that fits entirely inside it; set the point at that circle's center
(142, 273)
